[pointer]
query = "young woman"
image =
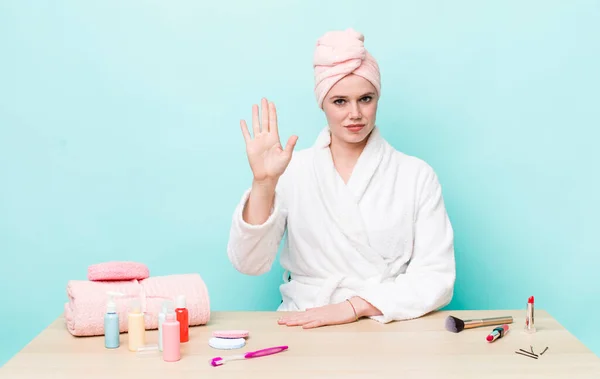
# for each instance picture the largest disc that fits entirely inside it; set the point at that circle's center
(367, 230)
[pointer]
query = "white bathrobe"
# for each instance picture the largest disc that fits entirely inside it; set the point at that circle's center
(384, 236)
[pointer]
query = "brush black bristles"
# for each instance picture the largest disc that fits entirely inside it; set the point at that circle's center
(454, 325)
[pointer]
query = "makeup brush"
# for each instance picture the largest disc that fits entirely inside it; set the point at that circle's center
(456, 325)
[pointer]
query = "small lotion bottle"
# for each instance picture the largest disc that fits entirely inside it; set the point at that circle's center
(135, 326)
(171, 339)
(111, 323)
(167, 307)
(183, 318)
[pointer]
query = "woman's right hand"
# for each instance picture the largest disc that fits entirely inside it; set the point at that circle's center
(268, 160)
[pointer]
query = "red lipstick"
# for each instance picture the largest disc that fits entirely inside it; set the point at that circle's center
(530, 316)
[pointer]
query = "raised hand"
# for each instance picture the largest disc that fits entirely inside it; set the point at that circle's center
(268, 160)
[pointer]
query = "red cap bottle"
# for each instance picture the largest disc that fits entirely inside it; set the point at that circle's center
(183, 318)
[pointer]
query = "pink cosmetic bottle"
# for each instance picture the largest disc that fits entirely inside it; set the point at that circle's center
(170, 335)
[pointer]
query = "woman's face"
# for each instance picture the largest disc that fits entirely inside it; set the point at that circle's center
(350, 107)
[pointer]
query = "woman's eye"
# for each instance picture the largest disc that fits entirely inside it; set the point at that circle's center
(339, 101)
(366, 99)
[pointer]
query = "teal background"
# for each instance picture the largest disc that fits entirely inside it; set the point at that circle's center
(119, 139)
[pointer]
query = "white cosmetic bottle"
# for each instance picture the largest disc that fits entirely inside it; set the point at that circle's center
(167, 307)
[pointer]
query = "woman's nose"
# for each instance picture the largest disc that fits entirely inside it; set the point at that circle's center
(355, 112)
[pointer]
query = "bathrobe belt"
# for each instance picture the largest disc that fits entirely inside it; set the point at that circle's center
(328, 286)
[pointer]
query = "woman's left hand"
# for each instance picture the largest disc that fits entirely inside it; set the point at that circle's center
(333, 314)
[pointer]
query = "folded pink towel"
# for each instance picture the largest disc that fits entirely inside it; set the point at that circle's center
(84, 313)
(118, 271)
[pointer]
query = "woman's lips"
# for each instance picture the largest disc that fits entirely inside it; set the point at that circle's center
(355, 127)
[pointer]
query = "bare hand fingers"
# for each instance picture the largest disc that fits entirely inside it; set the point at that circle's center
(287, 317)
(295, 319)
(290, 144)
(273, 120)
(265, 116)
(245, 131)
(255, 123)
(298, 322)
(313, 324)
(290, 319)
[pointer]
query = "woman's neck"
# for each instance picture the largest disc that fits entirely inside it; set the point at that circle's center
(345, 155)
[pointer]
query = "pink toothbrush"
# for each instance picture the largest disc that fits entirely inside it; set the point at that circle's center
(218, 361)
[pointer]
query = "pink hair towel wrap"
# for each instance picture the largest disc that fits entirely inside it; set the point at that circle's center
(341, 53)
(118, 271)
(85, 310)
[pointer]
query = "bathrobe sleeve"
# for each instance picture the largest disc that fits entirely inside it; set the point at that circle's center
(428, 282)
(252, 248)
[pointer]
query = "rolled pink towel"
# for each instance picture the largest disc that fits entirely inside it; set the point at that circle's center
(117, 270)
(85, 310)
(338, 54)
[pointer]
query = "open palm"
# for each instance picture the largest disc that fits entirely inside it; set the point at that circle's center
(268, 160)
